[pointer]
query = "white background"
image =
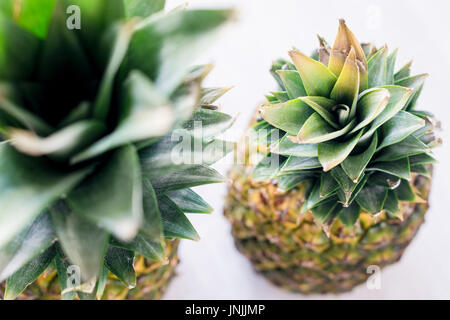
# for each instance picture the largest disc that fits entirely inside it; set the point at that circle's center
(213, 268)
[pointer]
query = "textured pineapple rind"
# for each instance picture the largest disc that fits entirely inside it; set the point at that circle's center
(153, 277)
(294, 252)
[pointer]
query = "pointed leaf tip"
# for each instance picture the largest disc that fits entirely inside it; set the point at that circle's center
(343, 44)
(346, 89)
(317, 79)
(345, 40)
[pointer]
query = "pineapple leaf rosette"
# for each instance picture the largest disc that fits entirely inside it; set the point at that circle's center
(344, 121)
(90, 117)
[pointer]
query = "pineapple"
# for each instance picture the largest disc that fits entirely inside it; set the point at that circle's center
(343, 172)
(94, 186)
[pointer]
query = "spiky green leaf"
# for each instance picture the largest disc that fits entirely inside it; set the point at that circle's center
(422, 159)
(101, 283)
(144, 246)
(112, 196)
(152, 223)
(346, 184)
(33, 16)
(189, 201)
(175, 223)
(268, 167)
(281, 96)
(120, 262)
(317, 130)
(354, 166)
(21, 115)
(62, 144)
(399, 168)
(421, 169)
(328, 184)
(391, 204)
(370, 104)
(28, 178)
(142, 8)
(346, 89)
(324, 107)
(83, 242)
(152, 45)
(415, 83)
(323, 211)
(18, 51)
(16, 283)
(288, 116)
(390, 66)
(317, 79)
(120, 47)
(404, 72)
(34, 240)
(378, 68)
(62, 53)
(195, 175)
(385, 180)
(208, 124)
(210, 95)
(349, 215)
(399, 127)
(286, 147)
(314, 199)
(300, 163)
(292, 82)
(144, 107)
(345, 41)
(398, 98)
(180, 150)
(405, 192)
(62, 264)
(410, 146)
(331, 154)
(372, 198)
(290, 181)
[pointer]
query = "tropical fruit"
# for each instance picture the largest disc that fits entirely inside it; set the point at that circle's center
(105, 127)
(343, 169)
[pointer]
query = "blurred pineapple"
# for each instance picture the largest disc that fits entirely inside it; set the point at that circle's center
(86, 120)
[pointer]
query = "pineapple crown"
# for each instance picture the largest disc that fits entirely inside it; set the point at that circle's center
(346, 123)
(88, 116)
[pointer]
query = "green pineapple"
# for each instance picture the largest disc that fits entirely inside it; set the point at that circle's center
(344, 168)
(93, 193)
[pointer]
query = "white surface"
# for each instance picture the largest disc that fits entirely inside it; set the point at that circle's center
(213, 268)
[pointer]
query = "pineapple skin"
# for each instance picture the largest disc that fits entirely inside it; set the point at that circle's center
(153, 277)
(292, 251)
